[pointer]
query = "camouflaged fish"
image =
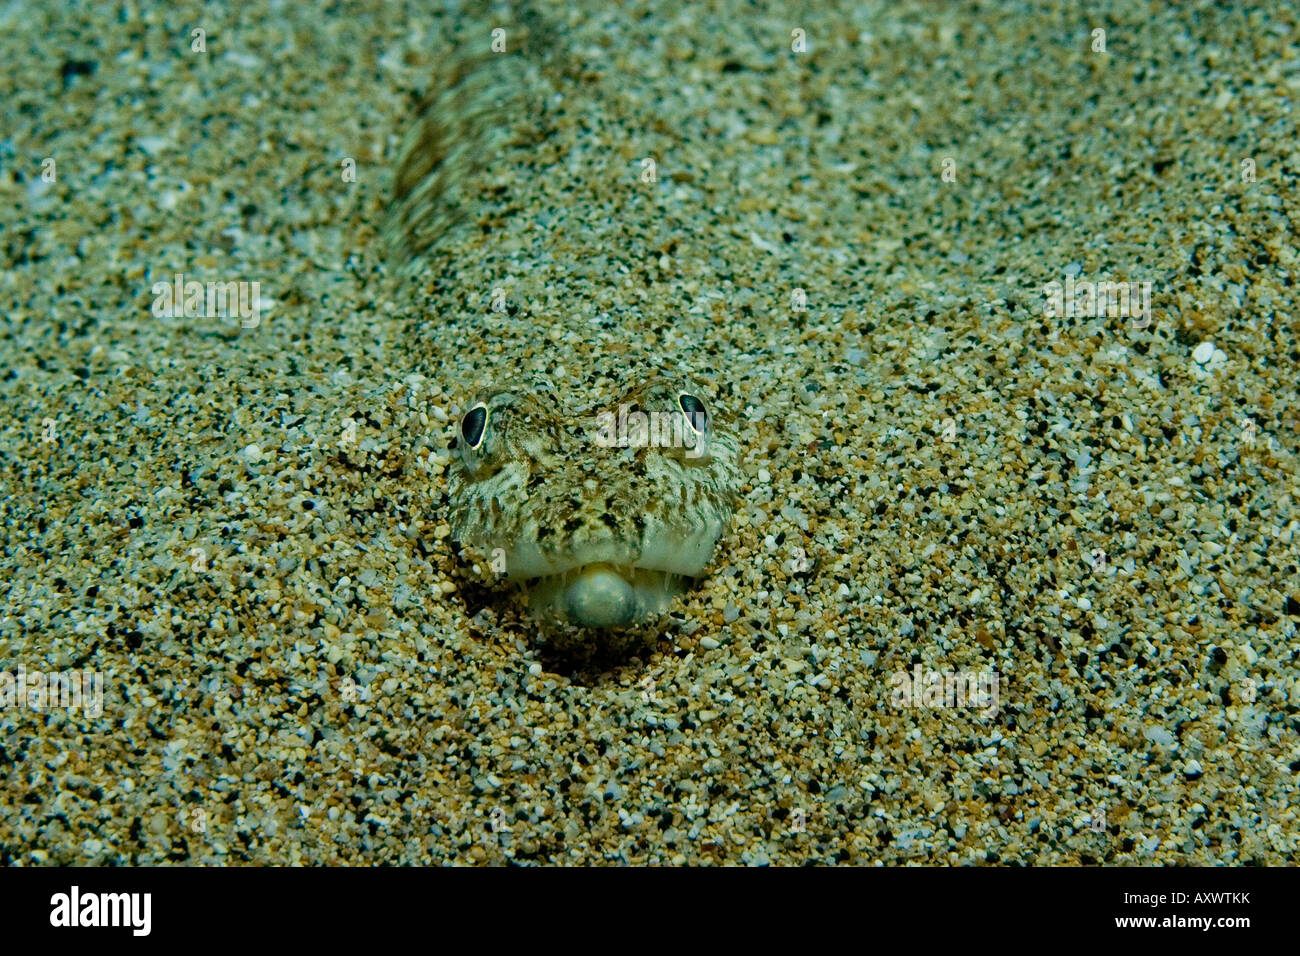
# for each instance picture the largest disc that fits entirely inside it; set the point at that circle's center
(607, 501)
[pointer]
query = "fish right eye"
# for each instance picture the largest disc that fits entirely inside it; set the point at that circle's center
(473, 426)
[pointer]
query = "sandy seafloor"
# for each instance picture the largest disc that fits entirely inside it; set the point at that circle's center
(937, 472)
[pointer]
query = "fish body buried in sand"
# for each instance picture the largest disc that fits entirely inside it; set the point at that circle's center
(604, 514)
(602, 530)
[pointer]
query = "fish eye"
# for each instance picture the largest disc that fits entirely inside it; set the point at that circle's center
(697, 420)
(696, 415)
(473, 426)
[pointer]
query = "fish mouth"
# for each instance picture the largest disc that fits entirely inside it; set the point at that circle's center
(604, 596)
(607, 583)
